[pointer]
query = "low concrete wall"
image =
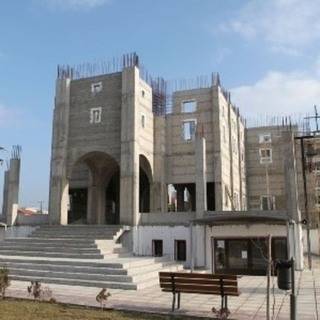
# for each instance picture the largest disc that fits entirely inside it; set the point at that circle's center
(168, 218)
(314, 241)
(143, 236)
(32, 220)
(2, 233)
(16, 232)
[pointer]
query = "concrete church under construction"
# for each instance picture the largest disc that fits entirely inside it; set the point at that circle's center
(177, 167)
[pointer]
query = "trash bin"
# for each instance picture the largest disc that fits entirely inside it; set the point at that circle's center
(284, 274)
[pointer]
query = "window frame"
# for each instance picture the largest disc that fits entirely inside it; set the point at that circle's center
(143, 120)
(192, 135)
(272, 202)
(189, 101)
(96, 87)
(264, 159)
(92, 118)
(262, 138)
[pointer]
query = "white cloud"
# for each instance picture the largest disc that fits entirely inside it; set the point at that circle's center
(75, 4)
(286, 25)
(278, 93)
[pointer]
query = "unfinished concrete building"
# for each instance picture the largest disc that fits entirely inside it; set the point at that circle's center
(120, 156)
(115, 156)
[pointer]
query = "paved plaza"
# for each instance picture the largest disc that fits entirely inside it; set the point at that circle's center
(251, 304)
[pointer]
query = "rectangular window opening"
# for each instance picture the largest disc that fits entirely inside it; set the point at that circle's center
(157, 248)
(210, 196)
(180, 250)
(265, 138)
(95, 115)
(182, 197)
(189, 106)
(96, 87)
(268, 203)
(189, 130)
(143, 121)
(265, 155)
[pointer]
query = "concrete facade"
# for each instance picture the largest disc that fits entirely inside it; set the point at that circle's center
(117, 160)
(127, 137)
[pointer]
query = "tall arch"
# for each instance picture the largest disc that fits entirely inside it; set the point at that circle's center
(145, 182)
(94, 190)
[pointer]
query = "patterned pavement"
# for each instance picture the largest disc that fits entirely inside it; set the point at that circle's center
(251, 304)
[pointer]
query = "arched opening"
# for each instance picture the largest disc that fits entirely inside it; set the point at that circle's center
(145, 181)
(94, 190)
(113, 199)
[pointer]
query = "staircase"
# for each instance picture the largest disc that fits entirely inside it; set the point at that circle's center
(80, 255)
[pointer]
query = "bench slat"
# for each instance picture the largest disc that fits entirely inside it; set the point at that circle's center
(218, 292)
(200, 281)
(212, 288)
(197, 275)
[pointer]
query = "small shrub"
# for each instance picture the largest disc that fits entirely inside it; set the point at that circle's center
(4, 281)
(35, 289)
(102, 297)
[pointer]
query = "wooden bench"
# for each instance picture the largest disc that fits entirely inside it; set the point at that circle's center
(200, 283)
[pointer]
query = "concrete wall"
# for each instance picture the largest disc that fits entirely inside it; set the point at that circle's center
(16, 232)
(256, 172)
(85, 137)
(314, 241)
(180, 154)
(168, 218)
(33, 220)
(143, 236)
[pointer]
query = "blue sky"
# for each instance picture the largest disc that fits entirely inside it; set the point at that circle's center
(267, 53)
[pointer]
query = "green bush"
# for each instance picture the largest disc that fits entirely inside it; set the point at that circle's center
(4, 281)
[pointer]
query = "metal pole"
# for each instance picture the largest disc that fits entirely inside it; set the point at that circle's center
(268, 187)
(293, 298)
(306, 202)
(268, 277)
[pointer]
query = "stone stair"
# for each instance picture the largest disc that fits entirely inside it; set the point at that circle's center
(80, 255)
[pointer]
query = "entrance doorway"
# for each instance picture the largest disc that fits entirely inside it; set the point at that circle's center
(78, 205)
(94, 190)
(113, 200)
(247, 256)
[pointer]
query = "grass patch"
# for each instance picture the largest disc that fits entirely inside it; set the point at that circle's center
(32, 310)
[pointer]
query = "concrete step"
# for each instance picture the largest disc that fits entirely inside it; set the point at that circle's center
(70, 275)
(51, 244)
(50, 240)
(82, 227)
(80, 263)
(76, 282)
(75, 232)
(50, 254)
(65, 268)
(75, 250)
(73, 237)
(151, 267)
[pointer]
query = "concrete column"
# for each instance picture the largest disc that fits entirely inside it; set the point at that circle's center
(161, 193)
(180, 197)
(291, 191)
(129, 164)
(96, 199)
(201, 177)
(5, 194)
(13, 183)
(58, 195)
